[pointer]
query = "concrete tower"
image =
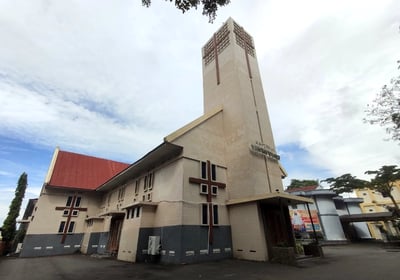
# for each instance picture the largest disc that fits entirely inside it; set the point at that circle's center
(231, 79)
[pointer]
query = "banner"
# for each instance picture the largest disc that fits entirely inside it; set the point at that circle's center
(301, 220)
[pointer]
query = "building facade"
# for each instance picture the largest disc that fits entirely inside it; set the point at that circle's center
(374, 203)
(211, 190)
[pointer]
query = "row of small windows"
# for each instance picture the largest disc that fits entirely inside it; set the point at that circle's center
(204, 189)
(77, 201)
(148, 183)
(62, 227)
(74, 213)
(205, 214)
(133, 213)
(204, 171)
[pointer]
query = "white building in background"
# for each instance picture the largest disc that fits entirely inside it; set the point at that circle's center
(334, 214)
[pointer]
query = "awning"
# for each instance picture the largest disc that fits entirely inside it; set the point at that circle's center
(367, 217)
(291, 199)
(113, 213)
(141, 203)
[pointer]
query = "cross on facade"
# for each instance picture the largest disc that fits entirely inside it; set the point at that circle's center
(244, 40)
(208, 181)
(215, 46)
(72, 205)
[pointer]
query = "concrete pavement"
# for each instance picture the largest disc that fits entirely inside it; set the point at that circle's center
(355, 261)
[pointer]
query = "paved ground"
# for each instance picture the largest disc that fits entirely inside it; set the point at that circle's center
(356, 261)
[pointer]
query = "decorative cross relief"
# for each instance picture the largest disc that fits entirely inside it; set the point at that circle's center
(244, 40)
(70, 208)
(210, 184)
(215, 46)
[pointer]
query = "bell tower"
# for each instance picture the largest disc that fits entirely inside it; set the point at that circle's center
(231, 79)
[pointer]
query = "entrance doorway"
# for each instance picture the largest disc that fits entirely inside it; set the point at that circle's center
(277, 225)
(115, 233)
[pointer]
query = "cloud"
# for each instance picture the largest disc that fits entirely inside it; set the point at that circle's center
(111, 79)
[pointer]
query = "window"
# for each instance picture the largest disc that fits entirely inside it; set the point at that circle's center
(137, 186)
(215, 215)
(128, 213)
(138, 212)
(133, 213)
(78, 201)
(61, 227)
(203, 189)
(214, 190)
(149, 196)
(148, 182)
(121, 194)
(213, 172)
(204, 170)
(66, 212)
(204, 214)
(71, 227)
(75, 213)
(69, 201)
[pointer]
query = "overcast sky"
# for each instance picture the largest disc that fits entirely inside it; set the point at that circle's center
(112, 78)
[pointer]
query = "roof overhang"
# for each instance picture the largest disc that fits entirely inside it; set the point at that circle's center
(154, 158)
(367, 217)
(141, 203)
(269, 197)
(112, 213)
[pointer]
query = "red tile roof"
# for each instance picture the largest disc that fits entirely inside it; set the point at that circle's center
(82, 172)
(302, 189)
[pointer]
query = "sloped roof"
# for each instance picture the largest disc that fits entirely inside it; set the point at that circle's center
(82, 172)
(302, 189)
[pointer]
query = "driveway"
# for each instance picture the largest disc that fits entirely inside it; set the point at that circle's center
(355, 261)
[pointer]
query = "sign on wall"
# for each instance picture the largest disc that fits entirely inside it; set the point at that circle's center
(301, 220)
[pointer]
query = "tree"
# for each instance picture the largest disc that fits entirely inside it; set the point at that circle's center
(385, 109)
(10, 223)
(384, 181)
(295, 183)
(210, 7)
(345, 183)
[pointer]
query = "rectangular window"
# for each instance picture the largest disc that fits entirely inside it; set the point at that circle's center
(75, 213)
(215, 215)
(214, 190)
(61, 227)
(133, 213)
(69, 201)
(128, 213)
(151, 179)
(138, 212)
(203, 189)
(71, 227)
(78, 201)
(204, 170)
(204, 214)
(65, 212)
(146, 180)
(213, 172)
(149, 196)
(137, 185)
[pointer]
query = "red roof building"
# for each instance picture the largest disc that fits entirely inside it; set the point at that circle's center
(76, 171)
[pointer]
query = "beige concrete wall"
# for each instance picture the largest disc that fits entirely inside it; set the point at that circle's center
(129, 239)
(248, 236)
(46, 219)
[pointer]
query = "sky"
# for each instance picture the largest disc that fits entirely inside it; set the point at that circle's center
(112, 78)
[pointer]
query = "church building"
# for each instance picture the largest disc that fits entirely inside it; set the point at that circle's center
(211, 190)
